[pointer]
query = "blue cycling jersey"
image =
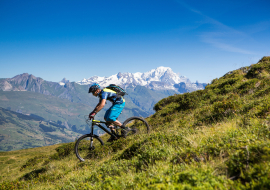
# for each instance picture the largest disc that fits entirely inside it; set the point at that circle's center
(111, 95)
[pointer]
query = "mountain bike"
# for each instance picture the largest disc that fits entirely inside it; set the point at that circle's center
(88, 142)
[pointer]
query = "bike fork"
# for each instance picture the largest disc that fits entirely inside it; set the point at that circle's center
(91, 139)
(91, 143)
(92, 147)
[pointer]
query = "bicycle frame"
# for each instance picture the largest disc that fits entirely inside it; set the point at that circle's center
(97, 123)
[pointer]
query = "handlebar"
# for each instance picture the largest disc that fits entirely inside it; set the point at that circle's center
(87, 119)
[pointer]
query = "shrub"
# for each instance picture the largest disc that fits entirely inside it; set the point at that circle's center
(247, 86)
(244, 158)
(33, 161)
(185, 101)
(63, 151)
(33, 174)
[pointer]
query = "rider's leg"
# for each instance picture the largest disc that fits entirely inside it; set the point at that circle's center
(117, 123)
(110, 125)
(113, 113)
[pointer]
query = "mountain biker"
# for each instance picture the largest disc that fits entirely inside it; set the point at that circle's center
(111, 115)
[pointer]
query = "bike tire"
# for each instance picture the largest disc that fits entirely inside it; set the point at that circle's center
(137, 124)
(83, 147)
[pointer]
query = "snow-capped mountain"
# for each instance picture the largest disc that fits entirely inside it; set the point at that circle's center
(63, 81)
(161, 78)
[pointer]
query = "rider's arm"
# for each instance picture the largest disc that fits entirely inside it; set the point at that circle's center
(100, 105)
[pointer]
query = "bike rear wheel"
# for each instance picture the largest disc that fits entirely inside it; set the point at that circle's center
(137, 125)
(85, 145)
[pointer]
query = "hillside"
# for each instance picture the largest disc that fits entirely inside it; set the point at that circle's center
(19, 131)
(217, 138)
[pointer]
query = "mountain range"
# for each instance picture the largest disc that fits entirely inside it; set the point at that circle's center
(161, 78)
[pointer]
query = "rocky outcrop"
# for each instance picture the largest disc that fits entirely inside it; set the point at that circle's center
(5, 86)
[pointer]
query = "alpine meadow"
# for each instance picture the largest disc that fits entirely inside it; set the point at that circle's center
(216, 138)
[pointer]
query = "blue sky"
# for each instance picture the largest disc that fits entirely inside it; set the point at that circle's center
(201, 40)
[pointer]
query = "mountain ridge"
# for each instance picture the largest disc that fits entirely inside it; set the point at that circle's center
(161, 78)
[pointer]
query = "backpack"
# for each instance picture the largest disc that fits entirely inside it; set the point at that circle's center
(119, 91)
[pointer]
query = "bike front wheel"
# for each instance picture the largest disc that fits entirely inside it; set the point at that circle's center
(137, 125)
(85, 145)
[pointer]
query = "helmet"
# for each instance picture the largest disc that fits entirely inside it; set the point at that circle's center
(93, 87)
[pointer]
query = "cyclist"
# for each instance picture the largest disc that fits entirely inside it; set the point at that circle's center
(111, 115)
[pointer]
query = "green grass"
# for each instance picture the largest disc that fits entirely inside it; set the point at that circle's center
(12, 162)
(217, 138)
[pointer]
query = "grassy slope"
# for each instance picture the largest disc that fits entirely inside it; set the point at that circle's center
(11, 162)
(217, 138)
